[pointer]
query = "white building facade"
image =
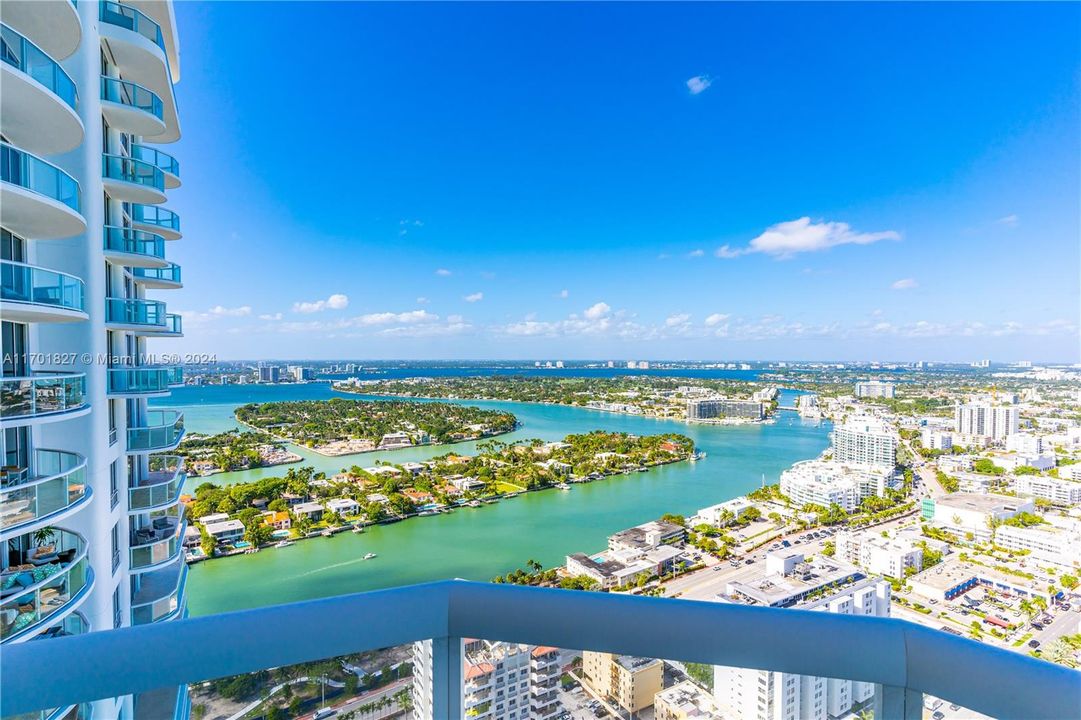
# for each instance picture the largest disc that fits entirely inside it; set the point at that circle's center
(987, 420)
(865, 441)
(89, 493)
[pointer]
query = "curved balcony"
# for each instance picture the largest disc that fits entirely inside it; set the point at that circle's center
(162, 160)
(46, 396)
(134, 314)
(83, 711)
(132, 180)
(161, 430)
(38, 200)
(160, 486)
(163, 278)
(50, 489)
(53, 26)
(174, 327)
(156, 220)
(34, 294)
(134, 248)
(138, 49)
(143, 381)
(131, 108)
(39, 103)
(160, 596)
(49, 581)
(157, 545)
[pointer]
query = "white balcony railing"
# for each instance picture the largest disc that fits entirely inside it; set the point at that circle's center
(905, 660)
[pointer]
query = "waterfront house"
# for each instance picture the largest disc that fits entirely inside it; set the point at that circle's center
(414, 468)
(380, 470)
(722, 514)
(343, 506)
(212, 518)
(192, 537)
(310, 510)
(395, 440)
(418, 497)
(277, 520)
(378, 497)
(292, 498)
(227, 531)
(555, 467)
(465, 484)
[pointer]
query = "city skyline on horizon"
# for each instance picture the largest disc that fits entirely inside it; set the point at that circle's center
(474, 196)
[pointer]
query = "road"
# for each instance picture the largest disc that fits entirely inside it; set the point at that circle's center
(374, 696)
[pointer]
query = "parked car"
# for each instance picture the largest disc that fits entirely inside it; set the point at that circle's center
(1034, 644)
(1037, 626)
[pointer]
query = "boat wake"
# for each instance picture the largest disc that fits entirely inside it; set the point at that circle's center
(354, 561)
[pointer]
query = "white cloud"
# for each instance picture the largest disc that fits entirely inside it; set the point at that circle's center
(697, 253)
(699, 84)
(242, 311)
(386, 318)
(904, 284)
(474, 297)
(194, 317)
(271, 316)
(677, 320)
(597, 311)
(422, 301)
(716, 319)
(1009, 221)
(787, 239)
(563, 294)
(337, 301)
(443, 272)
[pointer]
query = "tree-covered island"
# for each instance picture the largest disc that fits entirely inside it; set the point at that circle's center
(344, 426)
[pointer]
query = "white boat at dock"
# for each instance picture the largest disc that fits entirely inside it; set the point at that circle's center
(358, 529)
(284, 544)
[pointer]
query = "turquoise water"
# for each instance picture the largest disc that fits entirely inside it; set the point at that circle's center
(479, 543)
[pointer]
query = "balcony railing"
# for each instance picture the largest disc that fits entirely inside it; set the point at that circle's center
(135, 242)
(132, 170)
(128, 17)
(905, 660)
(34, 174)
(164, 161)
(24, 55)
(59, 576)
(162, 430)
(156, 217)
(143, 380)
(174, 325)
(160, 597)
(39, 286)
(42, 394)
(134, 311)
(157, 544)
(170, 273)
(55, 481)
(128, 93)
(74, 624)
(160, 485)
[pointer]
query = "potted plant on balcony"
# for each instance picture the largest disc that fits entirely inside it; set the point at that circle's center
(44, 535)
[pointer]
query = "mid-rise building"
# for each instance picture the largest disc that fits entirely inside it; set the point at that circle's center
(936, 439)
(969, 514)
(91, 523)
(500, 681)
(269, 373)
(627, 681)
(983, 418)
(828, 482)
(700, 409)
(1046, 543)
(685, 701)
(1056, 490)
(825, 585)
(874, 389)
(877, 555)
(865, 441)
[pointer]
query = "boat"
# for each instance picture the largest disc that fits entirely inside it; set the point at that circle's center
(563, 486)
(473, 503)
(358, 529)
(284, 544)
(326, 533)
(369, 556)
(427, 513)
(642, 469)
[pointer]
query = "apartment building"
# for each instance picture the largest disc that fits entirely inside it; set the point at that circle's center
(969, 514)
(874, 389)
(685, 701)
(878, 555)
(936, 439)
(717, 408)
(626, 681)
(1054, 545)
(865, 441)
(825, 585)
(983, 418)
(1059, 492)
(828, 482)
(500, 681)
(90, 518)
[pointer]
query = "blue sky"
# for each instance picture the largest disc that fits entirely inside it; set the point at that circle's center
(697, 181)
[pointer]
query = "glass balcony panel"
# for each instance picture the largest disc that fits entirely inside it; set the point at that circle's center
(55, 481)
(42, 394)
(24, 55)
(160, 484)
(157, 158)
(170, 273)
(134, 311)
(137, 380)
(136, 242)
(45, 581)
(74, 624)
(155, 216)
(128, 17)
(160, 595)
(128, 93)
(30, 172)
(84, 711)
(29, 284)
(154, 545)
(126, 169)
(163, 429)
